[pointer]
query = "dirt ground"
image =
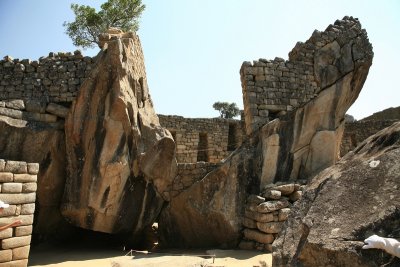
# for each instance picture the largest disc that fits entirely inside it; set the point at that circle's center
(95, 257)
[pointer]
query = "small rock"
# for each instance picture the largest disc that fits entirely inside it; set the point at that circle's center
(296, 195)
(272, 205)
(254, 199)
(272, 194)
(283, 214)
(286, 189)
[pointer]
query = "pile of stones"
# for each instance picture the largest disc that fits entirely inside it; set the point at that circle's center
(265, 215)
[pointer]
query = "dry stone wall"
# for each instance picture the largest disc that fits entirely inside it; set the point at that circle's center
(265, 215)
(208, 140)
(358, 131)
(273, 87)
(18, 189)
(187, 175)
(55, 78)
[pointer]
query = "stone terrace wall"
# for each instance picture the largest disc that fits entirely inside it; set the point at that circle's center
(55, 78)
(358, 131)
(17, 188)
(273, 87)
(188, 174)
(208, 140)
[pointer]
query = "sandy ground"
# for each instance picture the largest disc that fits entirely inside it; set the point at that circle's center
(64, 257)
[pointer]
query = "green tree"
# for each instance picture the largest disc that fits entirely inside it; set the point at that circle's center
(226, 110)
(88, 24)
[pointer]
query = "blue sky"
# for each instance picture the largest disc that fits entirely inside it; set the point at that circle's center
(194, 48)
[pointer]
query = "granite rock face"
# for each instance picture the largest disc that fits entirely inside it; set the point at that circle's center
(307, 140)
(345, 204)
(295, 146)
(120, 159)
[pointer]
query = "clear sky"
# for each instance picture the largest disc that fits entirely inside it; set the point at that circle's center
(194, 48)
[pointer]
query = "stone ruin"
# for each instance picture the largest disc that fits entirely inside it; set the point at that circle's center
(109, 163)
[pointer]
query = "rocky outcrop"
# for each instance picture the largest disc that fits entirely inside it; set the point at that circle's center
(345, 204)
(120, 159)
(306, 141)
(293, 147)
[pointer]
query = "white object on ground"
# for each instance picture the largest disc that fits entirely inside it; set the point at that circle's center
(374, 163)
(390, 245)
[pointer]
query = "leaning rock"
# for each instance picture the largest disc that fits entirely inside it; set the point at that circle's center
(340, 67)
(326, 230)
(120, 159)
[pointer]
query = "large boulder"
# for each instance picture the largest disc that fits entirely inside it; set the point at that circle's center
(345, 204)
(120, 160)
(295, 146)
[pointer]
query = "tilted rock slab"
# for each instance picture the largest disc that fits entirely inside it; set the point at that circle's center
(120, 160)
(306, 141)
(345, 204)
(296, 146)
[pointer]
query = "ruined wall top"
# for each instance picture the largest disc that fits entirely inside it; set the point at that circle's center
(273, 87)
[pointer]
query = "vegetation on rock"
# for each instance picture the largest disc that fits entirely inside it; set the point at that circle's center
(226, 110)
(88, 24)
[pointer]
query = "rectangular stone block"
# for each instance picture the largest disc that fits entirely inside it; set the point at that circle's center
(16, 166)
(26, 220)
(57, 110)
(15, 242)
(29, 187)
(25, 178)
(17, 263)
(6, 177)
(27, 209)
(12, 113)
(6, 233)
(33, 168)
(11, 188)
(20, 253)
(5, 255)
(23, 230)
(19, 198)
(10, 211)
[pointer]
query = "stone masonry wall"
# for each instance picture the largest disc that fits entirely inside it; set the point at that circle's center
(55, 78)
(274, 87)
(17, 188)
(208, 140)
(265, 215)
(358, 131)
(188, 174)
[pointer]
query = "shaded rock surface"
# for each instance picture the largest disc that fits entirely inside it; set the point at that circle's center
(43, 143)
(345, 204)
(296, 146)
(119, 158)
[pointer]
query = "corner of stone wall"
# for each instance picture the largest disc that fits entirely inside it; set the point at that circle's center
(18, 184)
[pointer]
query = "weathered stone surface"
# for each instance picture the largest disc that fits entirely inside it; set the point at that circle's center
(319, 123)
(119, 158)
(326, 230)
(20, 253)
(57, 110)
(272, 206)
(249, 223)
(259, 217)
(44, 144)
(270, 227)
(246, 245)
(208, 213)
(254, 199)
(258, 236)
(272, 194)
